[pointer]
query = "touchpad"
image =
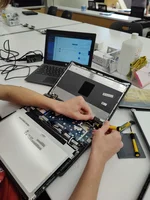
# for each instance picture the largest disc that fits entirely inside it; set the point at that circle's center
(50, 80)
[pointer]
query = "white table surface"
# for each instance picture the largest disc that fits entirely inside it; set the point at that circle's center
(107, 36)
(23, 43)
(147, 195)
(116, 17)
(119, 10)
(122, 179)
(40, 21)
(118, 173)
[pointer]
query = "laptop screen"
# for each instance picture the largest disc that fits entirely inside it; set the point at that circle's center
(64, 47)
(67, 49)
(101, 92)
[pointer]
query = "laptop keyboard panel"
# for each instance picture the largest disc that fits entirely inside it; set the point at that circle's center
(51, 70)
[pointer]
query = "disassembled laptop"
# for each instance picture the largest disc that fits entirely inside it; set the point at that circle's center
(75, 133)
(70, 138)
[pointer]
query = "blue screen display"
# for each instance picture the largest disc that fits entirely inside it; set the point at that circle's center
(65, 49)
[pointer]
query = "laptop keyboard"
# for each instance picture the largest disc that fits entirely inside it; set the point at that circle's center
(51, 70)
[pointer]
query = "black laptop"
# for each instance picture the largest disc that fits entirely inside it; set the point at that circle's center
(61, 48)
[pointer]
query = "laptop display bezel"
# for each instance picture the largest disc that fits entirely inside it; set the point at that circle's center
(69, 34)
(100, 73)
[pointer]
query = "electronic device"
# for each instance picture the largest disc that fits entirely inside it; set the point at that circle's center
(102, 59)
(107, 60)
(62, 47)
(29, 12)
(99, 1)
(44, 145)
(142, 118)
(34, 58)
(11, 19)
(22, 3)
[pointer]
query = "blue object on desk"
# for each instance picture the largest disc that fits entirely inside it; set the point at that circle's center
(83, 8)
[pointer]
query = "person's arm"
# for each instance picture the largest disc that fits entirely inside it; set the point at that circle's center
(104, 146)
(147, 10)
(147, 7)
(75, 108)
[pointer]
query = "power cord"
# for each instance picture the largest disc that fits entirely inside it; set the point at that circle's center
(31, 56)
(11, 56)
(7, 71)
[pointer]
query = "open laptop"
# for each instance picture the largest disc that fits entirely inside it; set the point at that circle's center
(37, 146)
(61, 48)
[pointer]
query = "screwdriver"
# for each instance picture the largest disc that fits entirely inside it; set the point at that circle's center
(135, 147)
(123, 127)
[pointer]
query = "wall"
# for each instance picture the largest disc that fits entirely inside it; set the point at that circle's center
(110, 2)
(128, 3)
(75, 3)
(69, 3)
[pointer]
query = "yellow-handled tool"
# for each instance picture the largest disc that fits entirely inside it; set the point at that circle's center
(135, 147)
(123, 127)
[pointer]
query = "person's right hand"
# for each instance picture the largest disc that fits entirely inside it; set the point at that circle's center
(104, 145)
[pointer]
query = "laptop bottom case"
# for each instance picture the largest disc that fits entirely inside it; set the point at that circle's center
(28, 153)
(42, 79)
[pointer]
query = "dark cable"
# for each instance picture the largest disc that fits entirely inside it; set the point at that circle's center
(11, 56)
(15, 54)
(18, 68)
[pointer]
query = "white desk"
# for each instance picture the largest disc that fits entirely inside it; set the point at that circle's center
(122, 179)
(97, 14)
(22, 42)
(120, 11)
(118, 173)
(40, 21)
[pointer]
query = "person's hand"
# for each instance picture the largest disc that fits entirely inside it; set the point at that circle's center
(104, 145)
(76, 108)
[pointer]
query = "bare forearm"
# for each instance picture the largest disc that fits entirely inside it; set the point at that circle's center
(23, 96)
(104, 146)
(147, 10)
(87, 187)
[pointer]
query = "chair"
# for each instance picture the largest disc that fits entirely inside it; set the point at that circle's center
(91, 5)
(66, 14)
(137, 12)
(52, 10)
(148, 35)
(102, 7)
(127, 27)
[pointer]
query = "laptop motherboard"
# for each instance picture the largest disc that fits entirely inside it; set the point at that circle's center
(76, 133)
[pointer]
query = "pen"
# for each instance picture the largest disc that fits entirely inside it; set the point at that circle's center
(135, 147)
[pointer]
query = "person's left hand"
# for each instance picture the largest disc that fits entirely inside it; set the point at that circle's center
(76, 108)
